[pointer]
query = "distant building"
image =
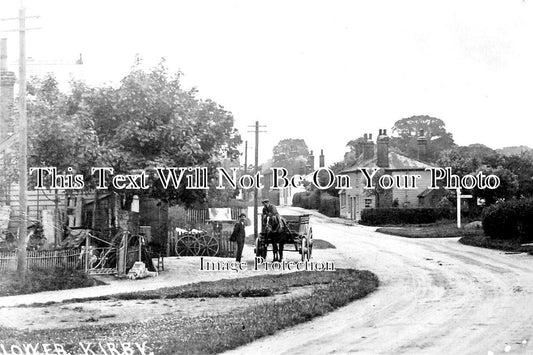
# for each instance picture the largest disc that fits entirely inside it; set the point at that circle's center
(353, 201)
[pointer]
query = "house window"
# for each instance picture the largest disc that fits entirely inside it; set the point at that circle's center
(368, 202)
(343, 200)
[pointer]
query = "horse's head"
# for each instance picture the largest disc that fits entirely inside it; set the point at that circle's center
(268, 225)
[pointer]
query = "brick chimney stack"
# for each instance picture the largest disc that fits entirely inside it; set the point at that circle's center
(422, 145)
(383, 149)
(368, 148)
(7, 83)
(321, 159)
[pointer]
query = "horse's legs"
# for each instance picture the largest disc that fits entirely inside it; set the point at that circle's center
(275, 250)
(281, 245)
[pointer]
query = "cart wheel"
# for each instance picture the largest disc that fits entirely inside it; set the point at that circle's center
(208, 245)
(187, 245)
(304, 249)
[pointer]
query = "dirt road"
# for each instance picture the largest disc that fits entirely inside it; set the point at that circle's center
(436, 297)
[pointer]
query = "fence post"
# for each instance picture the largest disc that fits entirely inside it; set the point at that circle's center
(169, 234)
(87, 243)
(140, 247)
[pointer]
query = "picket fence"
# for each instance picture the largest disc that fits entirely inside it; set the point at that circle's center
(45, 259)
(202, 215)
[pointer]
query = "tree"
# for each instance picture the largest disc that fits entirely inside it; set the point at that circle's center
(507, 189)
(150, 121)
(291, 154)
(351, 157)
(522, 166)
(59, 136)
(458, 160)
(405, 134)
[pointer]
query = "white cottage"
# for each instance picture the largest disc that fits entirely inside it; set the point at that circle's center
(354, 200)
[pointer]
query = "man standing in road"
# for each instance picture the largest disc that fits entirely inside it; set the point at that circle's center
(238, 236)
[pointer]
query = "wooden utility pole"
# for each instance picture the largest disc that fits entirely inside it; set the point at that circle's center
(244, 192)
(23, 143)
(256, 191)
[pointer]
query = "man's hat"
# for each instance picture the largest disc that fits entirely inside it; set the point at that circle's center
(242, 215)
(265, 201)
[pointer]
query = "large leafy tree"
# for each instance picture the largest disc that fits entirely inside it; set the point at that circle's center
(405, 134)
(148, 121)
(522, 166)
(508, 185)
(59, 136)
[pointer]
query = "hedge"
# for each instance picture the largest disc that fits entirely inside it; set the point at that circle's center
(329, 205)
(509, 220)
(315, 200)
(392, 215)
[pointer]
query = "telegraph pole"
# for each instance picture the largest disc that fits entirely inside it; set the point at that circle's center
(244, 192)
(256, 192)
(23, 146)
(23, 142)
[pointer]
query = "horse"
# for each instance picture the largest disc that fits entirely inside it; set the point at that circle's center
(275, 230)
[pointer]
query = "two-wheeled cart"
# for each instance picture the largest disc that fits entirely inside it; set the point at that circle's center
(298, 232)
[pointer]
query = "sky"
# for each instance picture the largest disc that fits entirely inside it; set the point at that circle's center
(323, 71)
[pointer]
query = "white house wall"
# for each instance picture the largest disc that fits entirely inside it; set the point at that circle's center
(356, 199)
(409, 197)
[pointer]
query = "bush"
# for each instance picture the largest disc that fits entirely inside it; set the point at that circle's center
(301, 199)
(392, 215)
(509, 220)
(314, 200)
(329, 205)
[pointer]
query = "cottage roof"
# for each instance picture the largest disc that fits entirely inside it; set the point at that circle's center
(397, 162)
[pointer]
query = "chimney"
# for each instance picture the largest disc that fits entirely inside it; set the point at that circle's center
(368, 152)
(321, 159)
(360, 147)
(422, 146)
(383, 149)
(7, 83)
(311, 162)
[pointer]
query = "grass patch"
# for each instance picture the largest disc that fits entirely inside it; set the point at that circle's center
(255, 286)
(38, 280)
(430, 231)
(322, 244)
(483, 241)
(210, 334)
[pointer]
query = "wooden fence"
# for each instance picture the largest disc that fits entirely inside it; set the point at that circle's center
(46, 259)
(195, 216)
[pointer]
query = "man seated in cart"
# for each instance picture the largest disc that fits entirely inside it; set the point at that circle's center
(269, 210)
